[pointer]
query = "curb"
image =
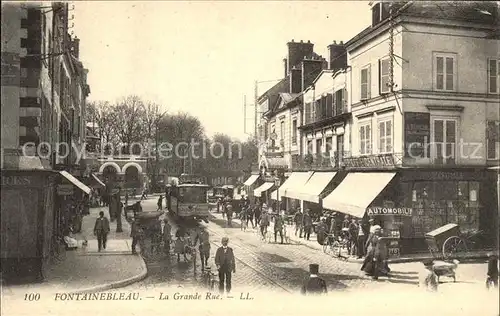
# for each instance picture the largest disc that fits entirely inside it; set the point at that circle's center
(118, 284)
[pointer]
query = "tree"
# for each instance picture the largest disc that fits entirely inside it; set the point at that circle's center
(103, 117)
(129, 122)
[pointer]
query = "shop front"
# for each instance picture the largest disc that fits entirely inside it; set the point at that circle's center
(27, 213)
(250, 184)
(289, 188)
(263, 193)
(407, 204)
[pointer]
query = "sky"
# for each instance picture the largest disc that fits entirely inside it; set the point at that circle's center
(203, 57)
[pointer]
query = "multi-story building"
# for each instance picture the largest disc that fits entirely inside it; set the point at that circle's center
(281, 106)
(35, 46)
(424, 97)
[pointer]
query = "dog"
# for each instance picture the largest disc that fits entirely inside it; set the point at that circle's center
(447, 269)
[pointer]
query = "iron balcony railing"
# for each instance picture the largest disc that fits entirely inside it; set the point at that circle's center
(319, 115)
(320, 161)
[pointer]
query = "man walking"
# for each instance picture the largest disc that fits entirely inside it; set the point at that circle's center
(361, 241)
(353, 236)
(278, 227)
(298, 223)
(314, 284)
(160, 203)
(204, 247)
(229, 214)
(101, 230)
(307, 224)
(225, 262)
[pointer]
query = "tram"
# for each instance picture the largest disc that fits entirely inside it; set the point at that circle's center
(187, 200)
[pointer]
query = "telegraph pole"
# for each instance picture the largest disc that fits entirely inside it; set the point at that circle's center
(256, 96)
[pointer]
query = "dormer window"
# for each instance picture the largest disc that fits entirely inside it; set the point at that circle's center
(380, 12)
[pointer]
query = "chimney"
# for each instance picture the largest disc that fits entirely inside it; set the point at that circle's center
(75, 46)
(337, 58)
(297, 51)
(286, 66)
(295, 80)
(311, 68)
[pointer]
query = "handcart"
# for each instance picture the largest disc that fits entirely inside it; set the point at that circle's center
(446, 242)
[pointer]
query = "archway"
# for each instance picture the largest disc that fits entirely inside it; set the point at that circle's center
(132, 179)
(110, 174)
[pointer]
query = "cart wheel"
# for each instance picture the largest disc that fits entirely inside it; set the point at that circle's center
(452, 246)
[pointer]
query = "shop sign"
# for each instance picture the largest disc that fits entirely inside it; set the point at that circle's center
(400, 211)
(65, 189)
(417, 132)
(15, 180)
(369, 161)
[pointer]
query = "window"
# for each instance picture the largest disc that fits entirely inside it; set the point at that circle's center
(365, 83)
(385, 137)
(444, 139)
(365, 139)
(309, 147)
(339, 102)
(294, 132)
(445, 72)
(493, 75)
(493, 140)
(329, 144)
(329, 105)
(384, 77)
(340, 150)
(319, 145)
(282, 130)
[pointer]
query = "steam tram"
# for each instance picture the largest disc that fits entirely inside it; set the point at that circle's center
(187, 200)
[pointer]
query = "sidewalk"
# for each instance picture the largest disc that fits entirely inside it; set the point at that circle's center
(87, 270)
(313, 244)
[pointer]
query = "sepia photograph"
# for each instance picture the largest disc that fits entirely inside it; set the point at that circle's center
(250, 157)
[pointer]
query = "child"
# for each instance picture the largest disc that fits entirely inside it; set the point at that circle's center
(492, 275)
(428, 278)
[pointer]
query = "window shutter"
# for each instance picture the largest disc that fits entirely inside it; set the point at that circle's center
(380, 77)
(368, 80)
(329, 105)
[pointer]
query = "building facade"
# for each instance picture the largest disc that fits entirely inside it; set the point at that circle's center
(39, 193)
(425, 115)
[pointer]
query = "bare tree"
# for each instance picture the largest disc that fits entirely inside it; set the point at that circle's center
(103, 118)
(129, 121)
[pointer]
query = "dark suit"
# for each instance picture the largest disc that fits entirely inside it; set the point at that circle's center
(314, 285)
(101, 230)
(224, 259)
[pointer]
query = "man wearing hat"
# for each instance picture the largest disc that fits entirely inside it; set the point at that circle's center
(307, 224)
(167, 236)
(225, 262)
(314, 284)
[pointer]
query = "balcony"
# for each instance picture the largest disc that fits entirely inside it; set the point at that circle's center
(322, 118)
(319, 162)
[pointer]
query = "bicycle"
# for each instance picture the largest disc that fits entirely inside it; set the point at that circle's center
(333, 246)
(209, 278)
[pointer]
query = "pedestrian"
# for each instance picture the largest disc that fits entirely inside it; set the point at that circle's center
(244, 219)
(136, 234)
(321, 231)
(126, 199)
(257, 213)
(229, 215)
(144, 195)
(307, 224)
(264, 223)
(428, 278)
(298, 218)
(333, 224)
(250, 214)
(167, 236)
(314, 285)
(346, 222)
(101, 230)
(204, 247)
(492, 275)
(361, 239)
(160, 203)
(353, 236)
(278, 227)
(225, 262)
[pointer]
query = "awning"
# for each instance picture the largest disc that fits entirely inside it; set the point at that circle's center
(98, 180)
(315, 186)
(264, 187)
(274, 195)
(75, 181)
(357, 191)
(296, 181)
(251, 180)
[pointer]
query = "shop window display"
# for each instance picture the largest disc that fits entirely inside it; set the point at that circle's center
(436, 203)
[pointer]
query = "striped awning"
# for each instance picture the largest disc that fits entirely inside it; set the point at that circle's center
(263, 188)
(75, 181)
(251, 180)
